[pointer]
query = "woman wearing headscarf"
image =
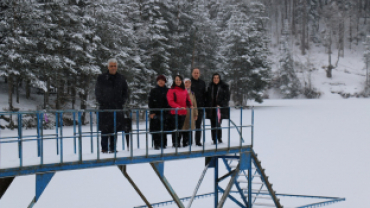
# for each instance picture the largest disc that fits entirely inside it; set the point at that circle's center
(158, 100)
(218, 95)
(188, 136)
(178, 97)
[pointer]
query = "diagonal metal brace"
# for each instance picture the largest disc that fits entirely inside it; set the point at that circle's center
(4, 185)
(42, 180)
(123, 169)
(228, 188)
(158, 168)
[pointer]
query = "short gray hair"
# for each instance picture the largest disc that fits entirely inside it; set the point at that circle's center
(112, 60)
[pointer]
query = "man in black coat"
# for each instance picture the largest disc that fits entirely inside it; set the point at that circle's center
(111, 92)
(198, 86)
(158, 99)
(218, 95)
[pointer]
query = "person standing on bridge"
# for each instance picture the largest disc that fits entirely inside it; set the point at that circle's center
(158, 99)
(190, 119)
(111, 92)
(198, 86)
(178, 97)
(218, 95)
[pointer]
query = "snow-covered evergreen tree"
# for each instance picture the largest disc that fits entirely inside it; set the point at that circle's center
(245, 52)
(289, 83)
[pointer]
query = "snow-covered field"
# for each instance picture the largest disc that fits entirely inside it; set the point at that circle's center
(311, 147)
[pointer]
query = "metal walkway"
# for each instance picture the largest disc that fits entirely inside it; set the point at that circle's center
(60, 142)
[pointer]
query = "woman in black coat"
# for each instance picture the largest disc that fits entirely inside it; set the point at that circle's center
(218, 95)
(158, 99)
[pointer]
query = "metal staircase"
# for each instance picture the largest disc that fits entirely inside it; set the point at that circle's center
(263, 194)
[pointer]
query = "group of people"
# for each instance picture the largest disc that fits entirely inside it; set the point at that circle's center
(185, 102)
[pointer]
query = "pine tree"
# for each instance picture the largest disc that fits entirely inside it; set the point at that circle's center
(245, 52)
(289, 83)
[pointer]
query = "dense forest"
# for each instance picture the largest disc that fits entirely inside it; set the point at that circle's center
(58, 47)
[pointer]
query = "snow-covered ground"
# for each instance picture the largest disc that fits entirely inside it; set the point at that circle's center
(312, 147)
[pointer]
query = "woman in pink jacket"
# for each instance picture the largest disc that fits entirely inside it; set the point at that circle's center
(178, 97)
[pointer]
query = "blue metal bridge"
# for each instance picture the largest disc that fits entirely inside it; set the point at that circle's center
(43, 143)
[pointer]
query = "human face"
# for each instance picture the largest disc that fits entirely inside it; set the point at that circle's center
(188, 84)
(161, 83)
(112, 67)
(216, 79)
(178, 81)
(195, 74)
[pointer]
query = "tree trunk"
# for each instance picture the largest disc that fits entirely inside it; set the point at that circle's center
(47, 92)
(303, 32)
(17, 88)
(350, 32)
(28, 89)
(293, 18)
(330, 66)
(10, 92)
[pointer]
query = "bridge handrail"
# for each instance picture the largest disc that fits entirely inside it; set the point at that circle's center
(77, 135)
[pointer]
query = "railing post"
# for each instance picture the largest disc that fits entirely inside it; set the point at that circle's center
(61, 137)
(97, 136)
(252, 127)
(137, 128)
(57, 131)
(38, 133)
(216, 140)
(42, 139)
(241, 127)
(162, 143)
(115, 134)
(177, 142)
(146, 133)
(204, 128)
(79, 137)
(74, 132)
(131, 139)
(228, 142)
(20, 148)
(190, 129)
(91, 132)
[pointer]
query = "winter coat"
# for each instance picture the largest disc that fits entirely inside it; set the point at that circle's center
(158, 99)
(222, 99)
(199, 89)
(178, 98)
(111, 92)
(194, 113)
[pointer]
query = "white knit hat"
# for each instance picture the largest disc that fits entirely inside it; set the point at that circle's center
(187, 79)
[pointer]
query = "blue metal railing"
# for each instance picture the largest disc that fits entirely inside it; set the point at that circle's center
(89, 133)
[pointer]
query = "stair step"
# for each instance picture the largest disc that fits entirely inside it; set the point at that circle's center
(262, 197)
(263, 205)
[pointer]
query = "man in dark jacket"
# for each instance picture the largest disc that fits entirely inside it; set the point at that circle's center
(198, 86)
(218, 95)
(111, 92)
(158, 99)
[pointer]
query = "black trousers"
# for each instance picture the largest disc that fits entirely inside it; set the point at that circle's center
(217, 133)
(105, 139)
(157, 139)
(198, 126)
(176, 135)
(186, 138)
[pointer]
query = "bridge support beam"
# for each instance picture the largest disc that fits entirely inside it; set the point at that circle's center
(42, 180)
(123, 169)
(159, 170)
(4, 185)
